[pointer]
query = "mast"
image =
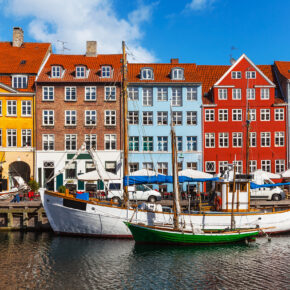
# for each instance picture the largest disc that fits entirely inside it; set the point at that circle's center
(125, 124)
(248, 121)
(233, 198)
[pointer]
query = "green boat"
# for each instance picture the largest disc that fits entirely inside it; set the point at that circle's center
(167, 235)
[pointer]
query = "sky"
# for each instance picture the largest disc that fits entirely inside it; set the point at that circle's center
(199, 31)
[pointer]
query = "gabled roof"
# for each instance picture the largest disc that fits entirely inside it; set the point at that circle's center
(243, 56)
(94, 64)
(162, 72)
(284, 68)
(25, 59)
(7, 88)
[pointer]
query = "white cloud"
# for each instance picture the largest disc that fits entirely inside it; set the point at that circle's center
(76, 21)
(200, 4)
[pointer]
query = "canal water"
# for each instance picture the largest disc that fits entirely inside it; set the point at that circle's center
(45, 261)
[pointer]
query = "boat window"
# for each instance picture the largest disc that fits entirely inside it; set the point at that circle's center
(243, 187)
(115, 186)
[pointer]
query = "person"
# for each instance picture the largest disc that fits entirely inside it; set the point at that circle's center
(16, 198)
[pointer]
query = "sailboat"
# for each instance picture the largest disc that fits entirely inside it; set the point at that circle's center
(69, 215)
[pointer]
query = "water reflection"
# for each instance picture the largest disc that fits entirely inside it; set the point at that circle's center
(34, 260)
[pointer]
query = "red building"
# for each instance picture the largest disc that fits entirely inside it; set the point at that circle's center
(227, 91)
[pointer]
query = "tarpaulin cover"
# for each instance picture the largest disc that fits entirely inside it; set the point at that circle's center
(131, 180)
(82, 195)
(255, 186)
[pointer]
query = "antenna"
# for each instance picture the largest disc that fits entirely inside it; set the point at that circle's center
(63, 45)
(232, 60)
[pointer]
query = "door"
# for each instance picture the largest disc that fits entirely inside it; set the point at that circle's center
(48, 173)
(59, 180)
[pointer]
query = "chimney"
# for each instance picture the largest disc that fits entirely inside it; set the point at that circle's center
(91, 48)
(17, 36)
(174, 60)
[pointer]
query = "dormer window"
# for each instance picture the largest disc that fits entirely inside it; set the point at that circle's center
(250, 74)
(106, 71)
(19, 81)
(177, 74)
(236, 75)
(147, 74)
(56, 71)
(80, 71)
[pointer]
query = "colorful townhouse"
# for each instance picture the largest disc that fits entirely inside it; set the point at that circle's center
(159, 94)
(78, 103)
(228, 93)
(20, 63)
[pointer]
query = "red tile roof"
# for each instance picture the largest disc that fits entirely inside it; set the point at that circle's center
(94, 64)
(284, 68)
(162, 72)
(25, 59)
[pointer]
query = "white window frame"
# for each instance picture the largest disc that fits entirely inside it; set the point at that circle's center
(176, 98)
(279, 139)
(26, 106)
(147, 73)
(209, 115)
(50, 141)
(265, 115)
(162, 94)
(191, 93)
(162, 168)
(177, 73)
(90, 117)
(252, 165)
(147, 97)
(280, 165)
(210, 166)
(253, 115)
(106, 71)
(147, 118)
(26, 135)
(223, 165)
(110, 118)
(90, 93)
(12, 135)
(48, 93)
(253, 139)
(250, 74)
(191, 118)
(209, 140)
(149, 140)
(12, 104)
(46, 118)
(223, 115)
(237, 115)
(265, 93)
(266, 165)
(134, 143)
(56, 71)
(133, 117)
(279, 114)
(70, 142)
(162, 118)
(70, 92)
(251, 94)
(191, 143)
(179, 143)
(237, 139)
(110, 93)
(236, 94)
(223, 140)
(162, 143)
(81, 72)
(110, 139)
(222, 94)
(177, 118)
(22, 84)
(72, 116)
(91, 141)
(236, 74)
(266, 136)
(133, 93)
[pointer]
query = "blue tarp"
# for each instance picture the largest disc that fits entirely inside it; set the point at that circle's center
(255, 186)
(83, 195)
(131, 180)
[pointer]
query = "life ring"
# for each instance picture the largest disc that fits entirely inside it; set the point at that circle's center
(218, 202)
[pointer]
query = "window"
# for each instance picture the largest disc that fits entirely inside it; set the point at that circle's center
(47, 117)
(80, 71)
(237, 94)
(147, 165)
(134, 143)
(265, 139)
(266, 165)
(279, 114)
(177, 118)
(56, 71)
(223, 115)
(90, 93)
(11, 137)
(176, 97)
(106, 71)
(265, 94)
(209, 115)
(111, 166)
(147, 97)
(191, 143)
(48, 142)
(90, 118)
(223, 140)
(223, 94)
(253, 165)
(110, 118)
(70, 118)
(179, 145)
(148, 118)
(279, 139)
(251, 94)
(71, 170)
(191, 165)
(147, 143)
(110, 142)
(26, 108)
(19, 82)
(47, 93)
(91, 141)
(210, 166)
(90, 166)
(0, 137)
(239, 166)
(191, 94)
(209, 140)
(237, 139)
(162, 118)
(70, 94)
(70, 142)
(253, 139)
(0, 108)
(133, 117)
(162, 94)
(162, 168)
(133, 94)
(252, 114)
(223, 166)
(279, 166)
(236, 75)
(237, 115)
(265, 114)
(110, 93)
(133, 167)
(26, 138)
(177, 74)
(250, 74)
(191, 118)
(162, 144)
(11, 108)
(147, 74)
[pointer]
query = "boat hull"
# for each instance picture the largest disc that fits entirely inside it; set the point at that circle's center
(108, 221)
(143, 234)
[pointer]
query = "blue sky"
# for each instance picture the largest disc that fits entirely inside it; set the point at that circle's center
(201, 31)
